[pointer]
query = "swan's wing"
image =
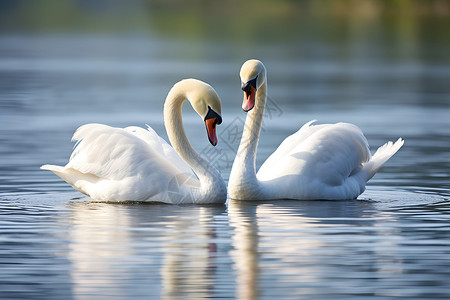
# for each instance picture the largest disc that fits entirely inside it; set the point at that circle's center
(328, 153)
(158, 144)
(290, 143)
(116, 153)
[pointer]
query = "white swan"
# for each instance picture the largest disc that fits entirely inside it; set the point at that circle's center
(134, 164)
(329, 161)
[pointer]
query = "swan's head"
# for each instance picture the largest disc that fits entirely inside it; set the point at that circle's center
(206, 103)
(253, 75)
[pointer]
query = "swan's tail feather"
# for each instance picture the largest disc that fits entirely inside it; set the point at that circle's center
(62, 172)
(381, 156)
(53, 168)
(79, 181)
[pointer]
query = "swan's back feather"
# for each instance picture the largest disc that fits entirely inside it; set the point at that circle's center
(116, 153)
(158, 144)
(318, 162)
(341, 144)
(115, 164)
(329, 161)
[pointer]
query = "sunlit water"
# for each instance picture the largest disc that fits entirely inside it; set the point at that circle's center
(394, 241)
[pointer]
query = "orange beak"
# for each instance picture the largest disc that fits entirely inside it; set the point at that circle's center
(249, 99)
(211, 130)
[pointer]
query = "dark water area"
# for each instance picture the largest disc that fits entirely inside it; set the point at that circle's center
(392, 242)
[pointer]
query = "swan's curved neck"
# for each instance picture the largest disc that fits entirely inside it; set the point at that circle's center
(243, 172)
(209, 177)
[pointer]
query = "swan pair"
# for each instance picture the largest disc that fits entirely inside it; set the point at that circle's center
(328, 161)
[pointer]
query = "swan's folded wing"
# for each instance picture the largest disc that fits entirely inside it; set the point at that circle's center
(328, 152)
(161, 146)
(116, 153)
(289, 144)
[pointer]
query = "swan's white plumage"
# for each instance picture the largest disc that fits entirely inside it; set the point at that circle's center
(135, 164)
(328, 152)
(115, 163)
(326, 161)
(122, 164)
(329, 160)
(114, 153)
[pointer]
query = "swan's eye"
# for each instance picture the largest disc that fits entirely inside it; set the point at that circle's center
(246, 87)
(212, 114)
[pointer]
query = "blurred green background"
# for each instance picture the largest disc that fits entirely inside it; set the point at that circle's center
(333, 50)
(400, 22)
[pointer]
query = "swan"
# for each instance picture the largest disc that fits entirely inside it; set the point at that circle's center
(327, 161)
(135, 164)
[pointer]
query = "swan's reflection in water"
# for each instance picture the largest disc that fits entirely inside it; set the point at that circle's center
(245, 248)
(248, 250)
(99, 245)
(256, 256)
(188, 269)
(132, 250)
(295, 247)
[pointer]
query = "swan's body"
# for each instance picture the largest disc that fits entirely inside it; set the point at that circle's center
(134, 164)
(328, 161)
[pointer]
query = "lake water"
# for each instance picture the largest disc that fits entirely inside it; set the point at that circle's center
(393, 241)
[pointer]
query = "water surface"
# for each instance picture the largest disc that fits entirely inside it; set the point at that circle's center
(57, 244)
